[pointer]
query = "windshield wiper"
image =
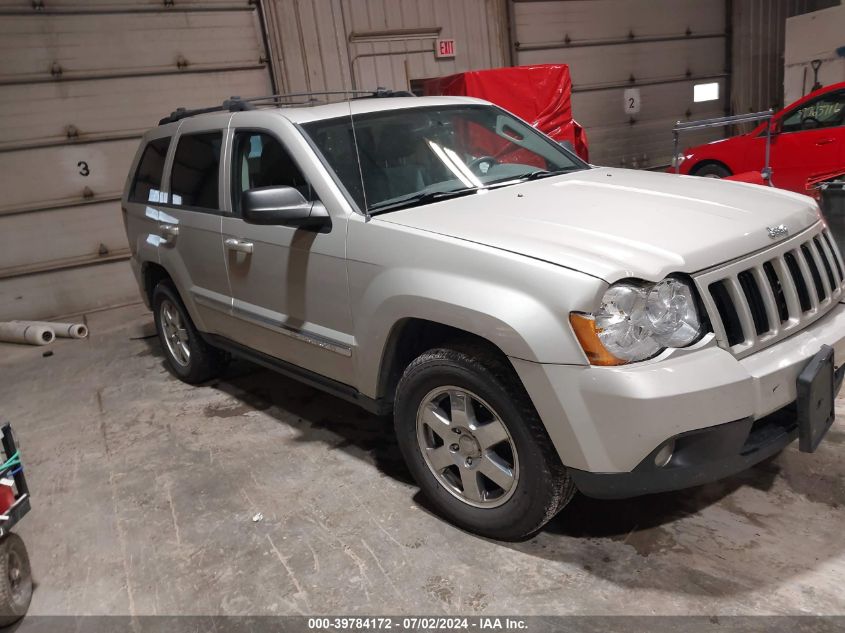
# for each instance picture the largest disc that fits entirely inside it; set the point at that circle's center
(420, 198)
(543, 173)
(531, 175)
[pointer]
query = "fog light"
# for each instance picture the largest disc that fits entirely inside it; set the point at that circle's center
(664, 455)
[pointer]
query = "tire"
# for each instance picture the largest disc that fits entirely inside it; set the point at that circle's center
(712, 170)
(540, 486)
(15, 580)
(188, 356)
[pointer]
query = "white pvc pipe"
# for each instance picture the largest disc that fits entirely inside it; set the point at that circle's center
(63, 330)
(22, 332)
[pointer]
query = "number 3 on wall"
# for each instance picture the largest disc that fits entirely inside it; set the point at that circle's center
(83, 168)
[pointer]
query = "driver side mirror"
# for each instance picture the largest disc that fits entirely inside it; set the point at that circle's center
(283, 206)
(775, 126)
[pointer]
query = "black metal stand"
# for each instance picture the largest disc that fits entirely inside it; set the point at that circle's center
(22, 504)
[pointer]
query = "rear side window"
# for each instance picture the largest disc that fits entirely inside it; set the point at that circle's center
(147, 184)
(196, 167)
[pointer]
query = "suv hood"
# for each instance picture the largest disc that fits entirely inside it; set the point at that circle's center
(617, 223)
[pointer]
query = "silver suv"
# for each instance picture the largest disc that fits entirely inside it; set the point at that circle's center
(536, 325)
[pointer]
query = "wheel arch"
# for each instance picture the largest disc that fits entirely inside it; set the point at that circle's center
(710, 161)
(151, 275)
(411, 336)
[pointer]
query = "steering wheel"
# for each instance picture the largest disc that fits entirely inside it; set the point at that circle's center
(482, 164)
(814, 125)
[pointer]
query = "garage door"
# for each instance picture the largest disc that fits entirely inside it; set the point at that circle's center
(79, 83)
(634, 66)
(362, 44)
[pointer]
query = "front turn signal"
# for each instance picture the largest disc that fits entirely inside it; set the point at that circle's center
(584, 327)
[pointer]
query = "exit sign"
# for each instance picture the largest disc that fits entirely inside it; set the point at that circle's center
(444, 48)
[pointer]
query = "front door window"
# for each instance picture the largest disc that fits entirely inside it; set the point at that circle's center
(825, 111)
(261, 161)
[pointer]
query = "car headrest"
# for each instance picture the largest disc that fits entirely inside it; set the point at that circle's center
(394, 143)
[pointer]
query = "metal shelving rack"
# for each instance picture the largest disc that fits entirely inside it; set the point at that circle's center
(686, 126)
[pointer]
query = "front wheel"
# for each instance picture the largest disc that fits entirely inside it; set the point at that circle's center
(15, 580)
(475, 444)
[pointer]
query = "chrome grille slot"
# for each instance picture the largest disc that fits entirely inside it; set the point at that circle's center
(727, 313)
(833, 254)
(799, 281)
(777, 291)
(825, 259)
(754, 297)
(814, 271)
(759, 300)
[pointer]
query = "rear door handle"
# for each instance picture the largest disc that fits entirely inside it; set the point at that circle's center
(241, 246)
(825, 141)
(170, 232)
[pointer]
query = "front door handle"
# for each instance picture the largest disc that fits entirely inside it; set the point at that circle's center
(170, 232)
(825, 141)
(241, 246)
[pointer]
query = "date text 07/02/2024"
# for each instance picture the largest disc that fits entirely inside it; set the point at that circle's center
(417, 623)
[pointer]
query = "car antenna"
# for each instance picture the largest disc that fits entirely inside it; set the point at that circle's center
(358, 155)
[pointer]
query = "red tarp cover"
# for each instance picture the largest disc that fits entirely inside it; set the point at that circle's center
(538, 94)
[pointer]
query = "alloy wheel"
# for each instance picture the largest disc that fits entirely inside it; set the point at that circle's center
(467, 447)
(175, 333)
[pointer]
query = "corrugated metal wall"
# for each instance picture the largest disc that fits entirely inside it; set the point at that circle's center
(344, 44)
(79, 82)
(758, 45)
(814, 36)
(662, 48)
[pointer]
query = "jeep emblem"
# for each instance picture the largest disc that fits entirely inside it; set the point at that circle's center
(777, 231)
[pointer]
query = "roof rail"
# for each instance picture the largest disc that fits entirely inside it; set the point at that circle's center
(238, 104)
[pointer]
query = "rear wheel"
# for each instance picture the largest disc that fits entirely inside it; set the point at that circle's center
(188, 356)
(475, 444)
(712, 170)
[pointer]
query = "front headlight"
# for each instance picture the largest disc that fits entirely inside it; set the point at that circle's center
(637, 320)
(672, 314)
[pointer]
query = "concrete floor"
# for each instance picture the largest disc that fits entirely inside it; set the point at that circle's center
(144, 490)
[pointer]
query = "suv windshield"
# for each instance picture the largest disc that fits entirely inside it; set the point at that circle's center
(417, 155)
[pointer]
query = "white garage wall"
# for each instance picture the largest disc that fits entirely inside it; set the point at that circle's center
(80, 80)
(815, 36)
(660, 47)
(345, 44)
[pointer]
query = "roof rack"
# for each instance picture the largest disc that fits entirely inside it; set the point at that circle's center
(239, 104)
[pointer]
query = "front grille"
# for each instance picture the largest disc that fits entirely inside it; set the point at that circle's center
(758, 301)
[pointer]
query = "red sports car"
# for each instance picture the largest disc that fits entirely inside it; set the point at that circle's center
(808, 143)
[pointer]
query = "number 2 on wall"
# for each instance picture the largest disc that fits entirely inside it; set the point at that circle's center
(631, 103)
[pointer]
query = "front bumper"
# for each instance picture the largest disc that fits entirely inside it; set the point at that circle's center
(609, 421)
(701, 456)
